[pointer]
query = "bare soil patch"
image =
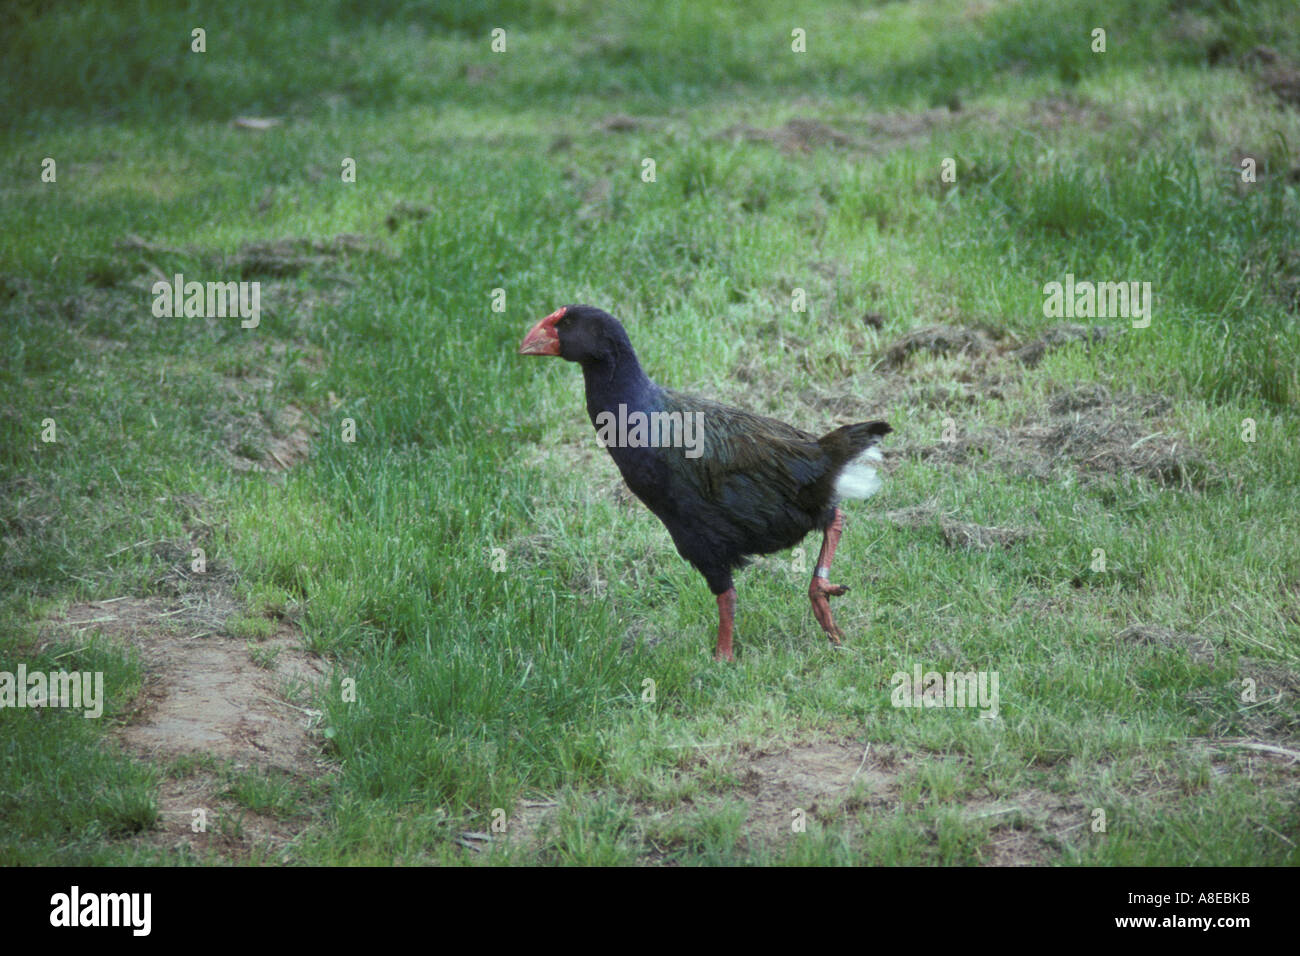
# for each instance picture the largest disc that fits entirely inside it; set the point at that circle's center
(117, 293)
(232, 833)
(833, 780)
(257, 435)
(1055, 112)
(267, 258)
(1028, 828)
(1057, 336)
(1273, 715)
(896, 127)
(289, 257)
(793, 136)
(821, 778)
(204, 692)
(1198, 648)
(269, 443)
(211, 695)
(868, 132)
(939, 340)
(960, 535)
(985, 339)
(1092, 430)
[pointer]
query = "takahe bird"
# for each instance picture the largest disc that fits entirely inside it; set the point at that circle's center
(726, 484)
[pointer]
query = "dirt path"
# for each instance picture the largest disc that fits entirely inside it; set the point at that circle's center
(232, 707)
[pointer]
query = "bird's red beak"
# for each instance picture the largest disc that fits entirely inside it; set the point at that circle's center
(542, 339)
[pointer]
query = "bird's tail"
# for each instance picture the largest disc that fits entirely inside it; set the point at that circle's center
(854, 448)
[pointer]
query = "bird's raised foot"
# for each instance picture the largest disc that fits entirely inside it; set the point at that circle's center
(819, 593)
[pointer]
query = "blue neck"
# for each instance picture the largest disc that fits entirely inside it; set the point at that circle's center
(616, 378)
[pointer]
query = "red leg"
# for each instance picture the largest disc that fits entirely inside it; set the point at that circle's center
(726, 619)
(821, 588)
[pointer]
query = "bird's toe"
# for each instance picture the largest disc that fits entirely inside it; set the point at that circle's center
(820, 589)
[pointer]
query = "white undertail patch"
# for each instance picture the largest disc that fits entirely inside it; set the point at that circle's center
(859, 479)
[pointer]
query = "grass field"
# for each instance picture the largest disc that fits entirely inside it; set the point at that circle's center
(457, 637)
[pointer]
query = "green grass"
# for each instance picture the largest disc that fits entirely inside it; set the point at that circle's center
(479, 689)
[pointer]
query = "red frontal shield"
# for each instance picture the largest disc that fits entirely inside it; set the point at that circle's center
(542, 339)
